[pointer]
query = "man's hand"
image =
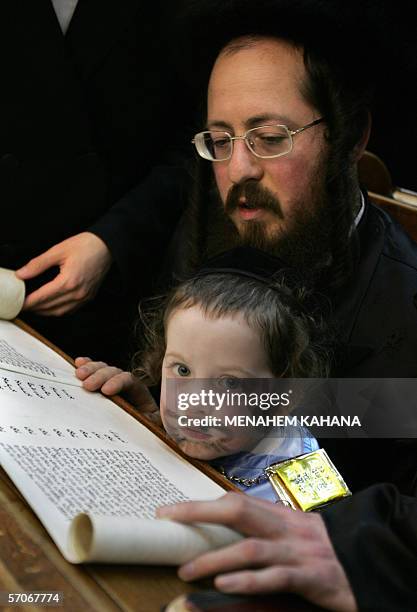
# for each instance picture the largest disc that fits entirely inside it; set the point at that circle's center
(97, 375)
(285, 550)
(83, 262)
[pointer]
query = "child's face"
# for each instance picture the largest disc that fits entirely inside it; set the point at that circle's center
(201, 347)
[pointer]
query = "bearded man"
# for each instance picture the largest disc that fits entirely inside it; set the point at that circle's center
(288, 117)
(287, 120)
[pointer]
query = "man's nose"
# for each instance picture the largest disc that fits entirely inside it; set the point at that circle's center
(243, 164)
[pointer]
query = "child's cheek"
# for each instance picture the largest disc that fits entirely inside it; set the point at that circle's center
(162, 410)
(162, 403)
(198, 450)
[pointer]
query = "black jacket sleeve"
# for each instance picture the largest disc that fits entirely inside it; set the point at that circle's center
(138, 228)
(374, 534)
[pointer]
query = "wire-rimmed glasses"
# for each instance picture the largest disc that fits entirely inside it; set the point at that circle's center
(265, 141)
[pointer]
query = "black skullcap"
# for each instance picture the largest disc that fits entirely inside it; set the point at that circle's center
(272, 272)
(245, 261)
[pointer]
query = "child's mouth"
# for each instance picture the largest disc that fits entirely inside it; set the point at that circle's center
(195, 433)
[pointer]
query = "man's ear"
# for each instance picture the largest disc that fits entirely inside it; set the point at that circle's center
(362, 143)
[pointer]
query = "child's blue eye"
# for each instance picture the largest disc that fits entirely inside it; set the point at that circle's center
(181, 369)
(229, 382)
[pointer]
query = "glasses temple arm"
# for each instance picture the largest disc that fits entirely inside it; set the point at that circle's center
(305, 127)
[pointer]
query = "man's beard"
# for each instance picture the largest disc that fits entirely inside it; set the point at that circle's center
(303, 239)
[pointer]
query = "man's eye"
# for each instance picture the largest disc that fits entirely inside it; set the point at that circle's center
(271, 139)
(181, 369)
(220, 143)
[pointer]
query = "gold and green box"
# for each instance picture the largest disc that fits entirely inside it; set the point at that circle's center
(307, 482)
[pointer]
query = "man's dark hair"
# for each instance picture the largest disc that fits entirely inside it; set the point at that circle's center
(338, 53)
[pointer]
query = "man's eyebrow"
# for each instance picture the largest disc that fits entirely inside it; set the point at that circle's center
(267, 119)
(264, 119)
(222, 125)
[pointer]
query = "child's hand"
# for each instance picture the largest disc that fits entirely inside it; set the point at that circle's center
(98, 376)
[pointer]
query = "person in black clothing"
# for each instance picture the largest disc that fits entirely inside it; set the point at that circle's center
(288, 116)
(83, 126)
(302, 200)
(359, 554)
(287, 119)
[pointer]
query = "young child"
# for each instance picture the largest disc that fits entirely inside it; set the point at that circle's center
(225, 324)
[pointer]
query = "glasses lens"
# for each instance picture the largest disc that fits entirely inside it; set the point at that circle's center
(214, 146)
(270, 141)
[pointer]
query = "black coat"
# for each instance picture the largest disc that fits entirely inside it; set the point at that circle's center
(377, 316)
(83, 119)
(374, 534)
(377, 310)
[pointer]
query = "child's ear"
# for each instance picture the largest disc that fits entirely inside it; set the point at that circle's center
(361, 145)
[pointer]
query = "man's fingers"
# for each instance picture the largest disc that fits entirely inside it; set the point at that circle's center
(249, 553)
(324, 585)
(57, 310)
(235, 510)
(55, 297)
(49, 295)
(266, 580)
(37, 265)
(83, 260)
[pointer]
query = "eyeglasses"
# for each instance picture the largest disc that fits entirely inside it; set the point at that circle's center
(265, 141)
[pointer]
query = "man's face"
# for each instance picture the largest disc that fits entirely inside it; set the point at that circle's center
(260, 85)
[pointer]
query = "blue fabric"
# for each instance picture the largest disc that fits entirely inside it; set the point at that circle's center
(250, 464)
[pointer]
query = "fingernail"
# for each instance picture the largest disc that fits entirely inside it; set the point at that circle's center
(186, 572)
(164, 512)
(226, 583)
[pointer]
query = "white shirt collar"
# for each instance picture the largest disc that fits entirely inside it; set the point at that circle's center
(361, 211)
(64, 10)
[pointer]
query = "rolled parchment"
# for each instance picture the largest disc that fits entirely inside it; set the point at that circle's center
(126, 539)
(12, 294)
